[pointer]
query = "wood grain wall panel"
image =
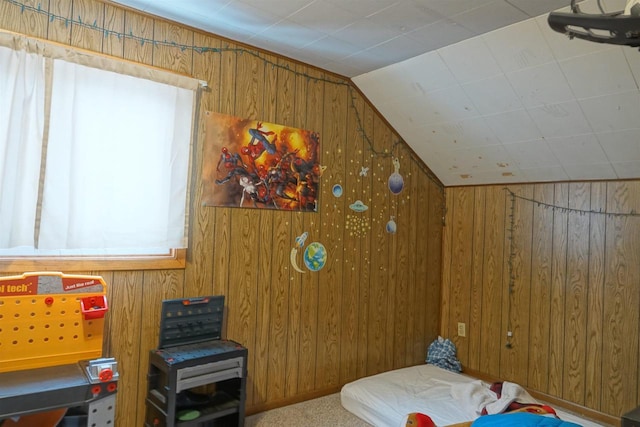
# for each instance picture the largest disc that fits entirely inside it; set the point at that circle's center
(351, 248)
(298, 227)
(330, 277)
(171, 47)
(558, 292)
(137, 37)
(404, 311)
(113, 25)
(268, 254)
(314, 107)
(580, 307)
(418, 195)
(157, 285)
(433, 254)
(540, 292)
(447, 269)
(595, 296)
(404, 238)
(575, 309)
(60, 26)
(381, 168)
(516, 296)
(362, 192)
(493, 279)
(274, 317)
(376, 303)
(282, 85)
(200, 280)
(34, 24)
(461, 250)
(243, 283)
(477, 260)
(620, 362)
(381, 327)
(126, 287)
(87, 25)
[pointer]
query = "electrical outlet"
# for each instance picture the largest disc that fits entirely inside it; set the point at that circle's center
(462, 329)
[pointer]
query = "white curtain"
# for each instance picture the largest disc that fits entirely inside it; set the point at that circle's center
(117, 162)
(22, 92)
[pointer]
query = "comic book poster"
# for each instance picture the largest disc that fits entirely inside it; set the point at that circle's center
(254, 164)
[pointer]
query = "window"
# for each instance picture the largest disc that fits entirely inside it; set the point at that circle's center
(94, 161)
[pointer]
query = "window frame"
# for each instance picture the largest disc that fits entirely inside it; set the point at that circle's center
(176, 257)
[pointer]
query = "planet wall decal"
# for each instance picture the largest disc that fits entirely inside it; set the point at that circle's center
(396, 182)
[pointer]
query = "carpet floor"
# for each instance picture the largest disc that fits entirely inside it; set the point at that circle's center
(322, 412)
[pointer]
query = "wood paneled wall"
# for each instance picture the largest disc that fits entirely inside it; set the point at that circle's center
(564, 277)
(375, 305)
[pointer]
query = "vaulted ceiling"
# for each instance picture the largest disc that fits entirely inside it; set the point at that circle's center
(482, 90)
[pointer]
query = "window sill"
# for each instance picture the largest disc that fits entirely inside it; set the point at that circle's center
(176, 259)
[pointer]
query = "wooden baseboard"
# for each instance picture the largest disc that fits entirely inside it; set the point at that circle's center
(583, 411)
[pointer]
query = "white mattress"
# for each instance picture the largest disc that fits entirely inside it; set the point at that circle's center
(384, 400)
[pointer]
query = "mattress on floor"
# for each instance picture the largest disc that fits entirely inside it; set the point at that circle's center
(385, 399)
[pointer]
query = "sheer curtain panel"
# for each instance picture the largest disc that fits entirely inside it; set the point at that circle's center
(94, 153)
(22, 84)
(117, 161)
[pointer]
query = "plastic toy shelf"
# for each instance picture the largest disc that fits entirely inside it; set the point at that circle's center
(42, 389)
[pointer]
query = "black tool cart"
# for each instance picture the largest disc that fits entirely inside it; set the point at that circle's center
(195, 379)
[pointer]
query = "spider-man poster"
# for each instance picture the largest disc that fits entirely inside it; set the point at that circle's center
(254, 164)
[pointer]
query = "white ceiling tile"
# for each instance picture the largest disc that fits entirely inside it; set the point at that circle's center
(398, 48)
(426, 73)
(418, 75)
(473, 160)
(281, 8)
(446, 105)
(513, 126)
(345, 68)
(600, 171)
(545, 174)
(503, 175)
(450, 8)
(633, 58)
(627, 170)
(540, 85)
(364, 33)
(362, 7)
(560, 119)
(440, 33)
(332, 48)
(489, 16)
(582, 149)
(492, 95)
(470, 60)
(290, 34)
(247, 17)
(404, 16)
(621, 146)
(323, 16)
(530, 50)
(608, 72)
(532, 154)
(538, 7)
(473, 132)
(613, 112)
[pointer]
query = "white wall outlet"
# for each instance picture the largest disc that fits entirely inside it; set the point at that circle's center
(462, 329)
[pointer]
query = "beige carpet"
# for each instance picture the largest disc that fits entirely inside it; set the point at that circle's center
(322, 412)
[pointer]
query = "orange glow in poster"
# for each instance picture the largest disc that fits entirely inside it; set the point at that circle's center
(255, 164)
